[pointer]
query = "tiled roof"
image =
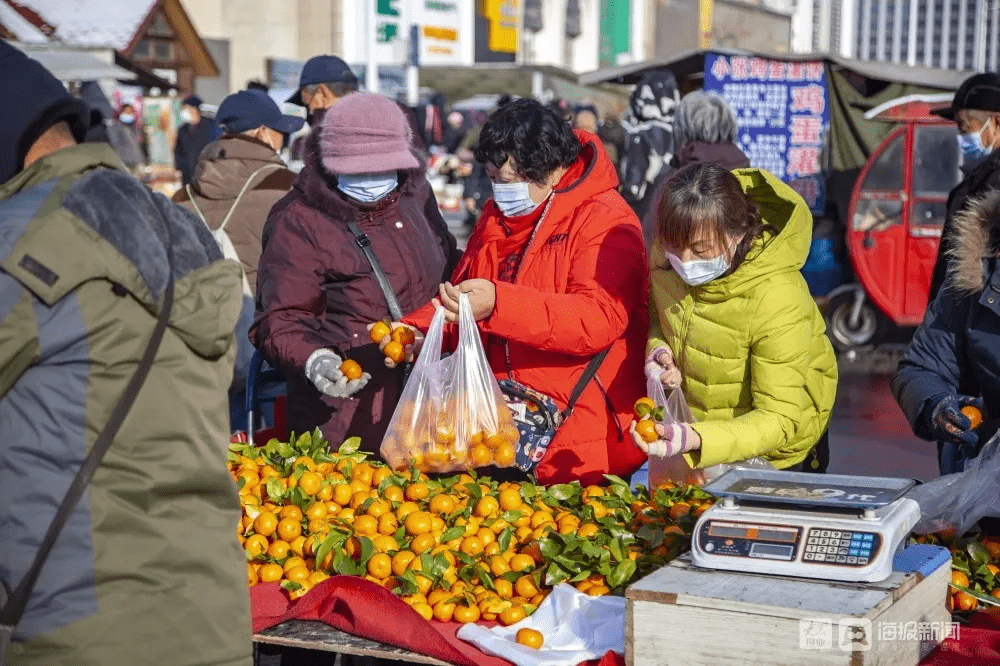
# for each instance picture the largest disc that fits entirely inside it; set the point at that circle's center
(111, 23)
(18, 27)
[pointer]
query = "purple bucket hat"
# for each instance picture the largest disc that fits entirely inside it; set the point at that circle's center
(365, 133)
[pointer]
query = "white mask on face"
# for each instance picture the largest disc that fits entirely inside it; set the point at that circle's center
(187, 116)
(367, 187)
(513, 199)
(127, 118)
(699, 271)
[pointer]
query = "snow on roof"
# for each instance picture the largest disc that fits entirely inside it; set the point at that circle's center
(110, 23)
(18, 26)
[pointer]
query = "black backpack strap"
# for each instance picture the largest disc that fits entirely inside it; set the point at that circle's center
(588, 375)
(14, 607)
(365, 243)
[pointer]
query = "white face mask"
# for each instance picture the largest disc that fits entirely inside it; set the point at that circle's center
(126, 118)
(367, 187)
(187, 116)
(513, 199)
(699, 271)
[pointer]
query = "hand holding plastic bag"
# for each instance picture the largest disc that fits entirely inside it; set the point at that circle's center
(451, 415)
(957, 501)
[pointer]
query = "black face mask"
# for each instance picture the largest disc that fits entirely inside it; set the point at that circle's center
(315, 118)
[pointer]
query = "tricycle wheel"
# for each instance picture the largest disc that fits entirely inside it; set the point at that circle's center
(845, 334)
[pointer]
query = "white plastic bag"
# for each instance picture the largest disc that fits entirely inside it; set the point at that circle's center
(575, 627)
(675, 468)
(957, 501)
(451, 415)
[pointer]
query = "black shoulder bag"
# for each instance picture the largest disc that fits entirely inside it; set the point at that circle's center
(396, 312)
(15, 603)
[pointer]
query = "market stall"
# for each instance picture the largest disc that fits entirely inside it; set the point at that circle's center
(407, 561)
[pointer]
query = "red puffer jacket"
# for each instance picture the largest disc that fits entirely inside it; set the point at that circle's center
(315, 288)
(582, 287)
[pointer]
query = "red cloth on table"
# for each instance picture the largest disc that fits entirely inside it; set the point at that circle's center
(362, 608)
(978, 644)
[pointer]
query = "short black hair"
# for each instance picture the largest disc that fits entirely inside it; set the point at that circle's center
(534, 136)
(255, 84)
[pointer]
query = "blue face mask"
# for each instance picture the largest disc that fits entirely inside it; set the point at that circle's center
(699, 271)
(513, 199)
(971, 144)
(367, 187)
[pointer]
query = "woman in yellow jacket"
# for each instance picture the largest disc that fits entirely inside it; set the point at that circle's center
(732, 322)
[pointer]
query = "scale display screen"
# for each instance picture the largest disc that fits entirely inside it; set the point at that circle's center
(772, 551)
(754, 533)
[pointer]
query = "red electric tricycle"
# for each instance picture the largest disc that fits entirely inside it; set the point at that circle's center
(894, 222)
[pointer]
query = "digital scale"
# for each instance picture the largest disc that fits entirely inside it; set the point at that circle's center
(827, 526)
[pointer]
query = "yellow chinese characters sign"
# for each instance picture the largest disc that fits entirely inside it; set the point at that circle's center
(502, 16)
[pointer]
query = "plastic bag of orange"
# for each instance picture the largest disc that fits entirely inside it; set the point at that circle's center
(674, 409)
(451, 415)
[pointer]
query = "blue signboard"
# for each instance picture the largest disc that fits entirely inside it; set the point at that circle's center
(783, 116)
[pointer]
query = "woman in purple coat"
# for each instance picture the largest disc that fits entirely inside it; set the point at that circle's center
(316, 290)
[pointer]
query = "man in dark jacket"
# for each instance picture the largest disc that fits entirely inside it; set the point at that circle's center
(148, 569)
(976, 112)
(238, 179)
(192, 137)
(953, 360)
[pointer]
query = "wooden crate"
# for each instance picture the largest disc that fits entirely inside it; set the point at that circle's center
(685, 616)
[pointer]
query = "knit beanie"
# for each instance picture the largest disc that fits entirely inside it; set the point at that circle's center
(36, 100)
(365, 133)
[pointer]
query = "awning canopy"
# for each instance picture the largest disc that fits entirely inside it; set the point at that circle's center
(73, 64)
(691, 64)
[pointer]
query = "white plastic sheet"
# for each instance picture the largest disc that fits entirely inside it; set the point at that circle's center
(575, 628)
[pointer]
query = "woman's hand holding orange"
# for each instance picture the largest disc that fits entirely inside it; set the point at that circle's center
(409, 339)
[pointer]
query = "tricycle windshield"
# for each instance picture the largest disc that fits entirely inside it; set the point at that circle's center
(935, 160)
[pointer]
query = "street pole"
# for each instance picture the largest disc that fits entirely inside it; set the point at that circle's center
(412, 58)
(371, 70)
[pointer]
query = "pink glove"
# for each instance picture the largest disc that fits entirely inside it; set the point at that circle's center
(660, 366)
(674, 438)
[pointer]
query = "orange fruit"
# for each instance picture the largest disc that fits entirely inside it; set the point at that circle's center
(647, 430)
(297, 574)
(422, 543)
(265, 523)
(959, 578)
(366, 526)
(530, 637)
(289, 529)
(395, 352)
(270, 573)
(401, 561)
(480, 455)
(510, 499)
(487, 506)
(465, 614)
(256, 545)
(525, 587)
(418, 522)
(598, 591)
(587, 530)
(965, 602)
(512, 615)
(278, 550)
(679, 510)
(384, 543)
(443, 504)
(351, 369)
(505, 455)
(417, 491)
(993, 548)
(472, 545)
(380, 565)
(403, 335)
(378, 331)
(252, 578)
(974, 415)
(293, 562)
(643, 407)
(387, 524)
(424, 610)
(444, 611)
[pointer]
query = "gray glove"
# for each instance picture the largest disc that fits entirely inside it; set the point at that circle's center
(323, 370)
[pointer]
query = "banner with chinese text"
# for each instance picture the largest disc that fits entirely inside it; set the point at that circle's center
(782, 114)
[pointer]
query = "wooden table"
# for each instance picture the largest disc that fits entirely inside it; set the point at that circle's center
(319, 636)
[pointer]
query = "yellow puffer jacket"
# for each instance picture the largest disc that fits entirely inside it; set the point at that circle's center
(758, 371)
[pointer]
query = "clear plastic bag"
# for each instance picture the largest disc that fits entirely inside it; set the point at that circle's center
(675, 468)
(451, 415)
(957, 501)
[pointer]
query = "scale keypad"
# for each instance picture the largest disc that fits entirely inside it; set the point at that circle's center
(841, 547)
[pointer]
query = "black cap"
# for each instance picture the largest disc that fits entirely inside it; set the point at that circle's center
(193, 100)
(249, 109)
(322, 69)
(979, 92)
(35, 101)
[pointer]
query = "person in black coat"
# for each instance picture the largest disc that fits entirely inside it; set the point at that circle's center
(953, 360)
(192, 137)
(976, 112)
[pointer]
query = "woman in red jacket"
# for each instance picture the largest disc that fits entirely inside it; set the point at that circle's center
(555, 272)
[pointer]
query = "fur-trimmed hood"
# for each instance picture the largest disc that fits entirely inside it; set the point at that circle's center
(975, 237)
